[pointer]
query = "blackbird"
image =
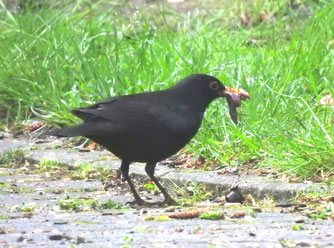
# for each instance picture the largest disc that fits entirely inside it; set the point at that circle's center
(150, 127)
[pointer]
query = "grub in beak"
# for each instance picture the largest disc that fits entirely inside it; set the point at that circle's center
(234, 98)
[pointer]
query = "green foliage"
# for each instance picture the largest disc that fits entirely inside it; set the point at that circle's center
(324, 212)
(78, 204)
(61, 56)
(26, 207)
(12, 188)
(151, 187)
(85, 222)
(77, 172)
(75, 204)
(48, 164)
(212, 216)
(12, 158)
(110, 205)
(297, 227)
(193, 193)
(321, 215)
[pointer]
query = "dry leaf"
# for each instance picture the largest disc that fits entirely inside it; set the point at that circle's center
(6, 230)
(33, 125)
(327, 100)
(264, 17)
(185, 215)
(245, 19)
(238, 214)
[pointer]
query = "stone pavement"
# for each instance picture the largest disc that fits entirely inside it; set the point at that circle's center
(31, 216)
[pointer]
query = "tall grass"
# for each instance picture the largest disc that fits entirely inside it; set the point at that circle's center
(53, 59)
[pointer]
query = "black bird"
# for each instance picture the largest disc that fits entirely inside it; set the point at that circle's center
(150, 127)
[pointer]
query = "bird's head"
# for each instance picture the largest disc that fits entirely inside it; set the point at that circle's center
(200, 89)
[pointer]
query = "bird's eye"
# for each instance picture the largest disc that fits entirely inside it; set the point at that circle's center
(214, 85)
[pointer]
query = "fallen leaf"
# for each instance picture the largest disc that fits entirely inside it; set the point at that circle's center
(245, 19)
(33, 125)
(185, 215)
(327, 100)
(238, 215)
(264, 17)
(6, 230)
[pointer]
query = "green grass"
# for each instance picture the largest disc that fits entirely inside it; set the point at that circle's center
(8, 189)
(26, 207)
(297, 227)
(77, 204)
(57, 170)
(193, 193)
(56, 58)
(212, 216)
(79, 172)
(12, 158)
(48, 164)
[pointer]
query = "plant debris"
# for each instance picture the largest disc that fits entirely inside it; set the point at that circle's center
(185, 215)
(238, 214)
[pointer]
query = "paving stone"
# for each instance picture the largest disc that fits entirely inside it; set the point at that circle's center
(48, 226)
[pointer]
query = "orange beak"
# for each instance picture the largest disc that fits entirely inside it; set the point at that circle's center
(242, 94)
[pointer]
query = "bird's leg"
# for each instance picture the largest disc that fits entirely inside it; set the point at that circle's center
(125, 172)
(150, 168)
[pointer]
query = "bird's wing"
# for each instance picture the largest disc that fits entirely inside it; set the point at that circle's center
(95, 111)
(143, 112)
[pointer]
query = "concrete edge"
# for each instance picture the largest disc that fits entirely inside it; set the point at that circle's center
(258, 187)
